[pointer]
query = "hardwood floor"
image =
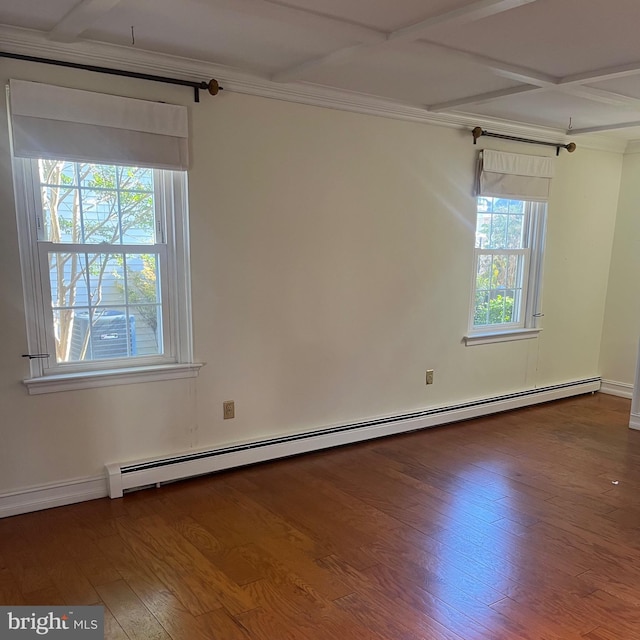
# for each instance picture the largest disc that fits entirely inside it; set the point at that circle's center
(505, 527)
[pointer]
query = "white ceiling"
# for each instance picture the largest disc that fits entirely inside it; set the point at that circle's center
(544, 63)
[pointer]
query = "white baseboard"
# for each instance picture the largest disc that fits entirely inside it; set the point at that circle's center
(51, 495)
(620, 389)
(634, 421)
(131, 475)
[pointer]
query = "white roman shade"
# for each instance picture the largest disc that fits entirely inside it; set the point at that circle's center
(83, 126)
(513, 175)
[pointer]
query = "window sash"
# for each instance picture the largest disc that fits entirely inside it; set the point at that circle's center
(520, 289)
(51, 364)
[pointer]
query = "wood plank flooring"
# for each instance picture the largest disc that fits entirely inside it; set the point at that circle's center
(508, 527)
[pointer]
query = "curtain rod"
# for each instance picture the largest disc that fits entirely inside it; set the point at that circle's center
(212, 86)
(479, 131)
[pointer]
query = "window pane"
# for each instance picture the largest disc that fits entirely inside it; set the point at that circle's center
(483, 229)
(138, 178)
(513, 268)
(498, 235)
(68, 278)
(106, 279)
(59, 206)
(481, 308)
(514, 236)
(57, 172)
(142, 278)
(99, 216)
(484, 204)
(498, 272)
(148, 329)
(138, 217)
(94, 292)
(483, 275)
(516, 206)
(97, 176)
(510, 309)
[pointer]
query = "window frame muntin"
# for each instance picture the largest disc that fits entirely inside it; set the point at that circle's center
(51, 366)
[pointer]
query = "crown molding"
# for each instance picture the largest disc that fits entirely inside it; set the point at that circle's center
(36, 43)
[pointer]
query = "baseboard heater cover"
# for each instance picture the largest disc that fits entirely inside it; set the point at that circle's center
(131, 475)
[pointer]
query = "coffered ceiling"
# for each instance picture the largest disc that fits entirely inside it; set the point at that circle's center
(557, 64)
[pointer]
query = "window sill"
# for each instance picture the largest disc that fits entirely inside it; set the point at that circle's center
(510, 335)
(109, 378)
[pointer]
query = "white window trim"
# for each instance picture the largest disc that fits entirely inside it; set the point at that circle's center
(110, 377)
(529, 327)
(180, 364)
(509, 335)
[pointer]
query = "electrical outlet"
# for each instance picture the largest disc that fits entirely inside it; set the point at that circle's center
(429, 376)
(228, 409)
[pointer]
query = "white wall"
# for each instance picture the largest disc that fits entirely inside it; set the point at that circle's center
(331, 266)
(622, 319)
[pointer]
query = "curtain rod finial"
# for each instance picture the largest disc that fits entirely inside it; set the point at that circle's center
(476, 132)
(571, 147)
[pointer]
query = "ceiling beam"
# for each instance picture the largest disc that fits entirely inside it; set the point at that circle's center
(600, 75)
(481, 98)
(588, 93)
(469, 13)
(606, 127)
(599, 95)
(80, 18)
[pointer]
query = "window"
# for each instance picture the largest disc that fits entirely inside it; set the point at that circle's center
(507, 265)
(105, 260)
(512, 191)
(104, 248)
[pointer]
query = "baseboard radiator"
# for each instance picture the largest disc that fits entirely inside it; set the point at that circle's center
(133, 475)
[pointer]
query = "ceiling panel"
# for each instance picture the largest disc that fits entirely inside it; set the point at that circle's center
(401, 73)
(629, 86)
(554, 110)
(195, 29)
(558, 37)
(34, 14)
(379, 14)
